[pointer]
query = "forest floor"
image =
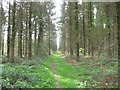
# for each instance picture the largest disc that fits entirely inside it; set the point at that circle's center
(89, 72)
(55, 75)
(57, 71)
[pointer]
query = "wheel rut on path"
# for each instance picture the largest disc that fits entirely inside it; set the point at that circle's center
(55, 75)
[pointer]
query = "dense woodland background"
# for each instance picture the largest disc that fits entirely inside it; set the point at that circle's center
(28, 32)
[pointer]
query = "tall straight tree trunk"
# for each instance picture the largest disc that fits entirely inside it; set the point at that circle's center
(1, 31)
(109, 43)
(49, 39)
(101, 45)
(64, 38)
(77, 31)
(35, 37)
(70, 28)
(3, 45)
(26, 35)
(3, 36)
(23, 46)
(93, 28)
(13, 35)
(30, 33)
(90, 27)
(109, 30)
(39, 38)
(1, 28)
(38, 43)
(8, 35)
(113, 47)
(92, 46)
(118, 26)
(20, 35)
(64, 30)
(84, 32)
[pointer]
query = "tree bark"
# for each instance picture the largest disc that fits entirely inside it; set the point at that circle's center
(63, 29)
(70, 29)
(30, 33)
(118, 26)
(109, 30)
(84, 32)
(8, 35)
(1, 28)
(1, 32)
(77, 31)
(49, 38)
(3, 46)
(39, 37)
(64, 38)
(89, 27)
(20, 35)
(35, 37)
(13, 35)
(26, 35)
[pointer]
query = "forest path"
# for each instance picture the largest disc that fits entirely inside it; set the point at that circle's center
(55, 74)
(88, 72)
(64, 73)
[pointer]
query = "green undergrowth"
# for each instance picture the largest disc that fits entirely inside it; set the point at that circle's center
(65, 73)
(89, 72)
(35, 73)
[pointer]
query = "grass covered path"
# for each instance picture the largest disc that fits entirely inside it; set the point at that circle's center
(55, 75)
(55, 72)
(65, 73)
(58, 73)
(90, 72)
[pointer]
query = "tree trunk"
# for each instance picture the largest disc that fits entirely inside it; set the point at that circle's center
(109, 29)
(70, 29)
(63, 29)
(77, 31)
(1, 32)
(49, 39)
(3, 46)
(13, 35)
(26, 35)
(84, 32)
(23, 46)
(39, 38)
(8, 35)
(35, 37)
(1, 28)
(90, 27)
(89, 24)
(20, 36)
(118, 26)
(30, 33)
(64, 38)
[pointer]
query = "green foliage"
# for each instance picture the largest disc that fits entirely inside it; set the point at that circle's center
(87, 84)
(37, 73)
(22, 84)
(86, 74)
(3, 58)
(28, 74)
(81, 49)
